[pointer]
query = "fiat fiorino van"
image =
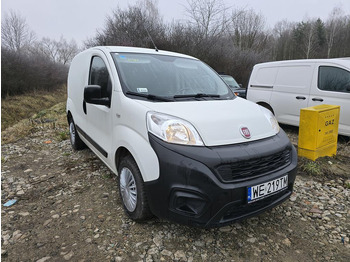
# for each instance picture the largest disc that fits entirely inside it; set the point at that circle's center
(184, 147)
(284, 87)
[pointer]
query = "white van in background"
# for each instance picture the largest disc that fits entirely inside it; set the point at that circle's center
(284, 87)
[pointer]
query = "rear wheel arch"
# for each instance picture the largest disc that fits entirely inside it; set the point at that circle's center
(76, 142)
(69, 116)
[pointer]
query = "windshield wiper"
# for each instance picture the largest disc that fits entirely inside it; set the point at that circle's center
(198, 95)
(149, 96)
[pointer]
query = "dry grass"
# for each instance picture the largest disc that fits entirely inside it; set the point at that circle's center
(22, 115)
(16, 108)
(52, 118)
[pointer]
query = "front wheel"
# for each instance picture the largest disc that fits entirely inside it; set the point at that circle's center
(132, 191)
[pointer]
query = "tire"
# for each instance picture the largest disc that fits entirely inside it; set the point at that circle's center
(132, 190)
(74, 137)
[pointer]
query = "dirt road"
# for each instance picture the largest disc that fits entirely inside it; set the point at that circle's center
(68, 208)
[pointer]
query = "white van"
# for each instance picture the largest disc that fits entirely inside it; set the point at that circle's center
(284, 87)
(183, 145)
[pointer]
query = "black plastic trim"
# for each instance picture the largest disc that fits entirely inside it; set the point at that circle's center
(261, 86)
(92, 142)
(189, 173)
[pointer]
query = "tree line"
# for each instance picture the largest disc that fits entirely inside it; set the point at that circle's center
(28, 64)
(231, 40)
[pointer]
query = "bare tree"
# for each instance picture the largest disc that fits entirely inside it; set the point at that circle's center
(182, 38)
(229, 42)
(333, 24)
(28, 65)
(57, 51)
(46, 47)
(150, 9)
(247, 29)
(343, 40)
(282, 33)
(309, 39)
(24, 72)
(208, 16)
(15, 33)
(129, 27)
(66, 51)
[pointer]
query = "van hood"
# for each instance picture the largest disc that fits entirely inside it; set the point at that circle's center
(219, 122)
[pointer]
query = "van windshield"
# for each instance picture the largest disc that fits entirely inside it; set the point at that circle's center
(168, 78)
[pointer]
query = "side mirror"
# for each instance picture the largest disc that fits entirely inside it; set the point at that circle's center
(240, 85)
(92, 95)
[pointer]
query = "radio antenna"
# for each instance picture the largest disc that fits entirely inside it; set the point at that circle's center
(155, 47)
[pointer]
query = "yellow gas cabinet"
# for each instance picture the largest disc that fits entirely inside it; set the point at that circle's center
(318, 131)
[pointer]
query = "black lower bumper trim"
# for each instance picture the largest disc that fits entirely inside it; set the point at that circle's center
(235, 212)
(189, 189)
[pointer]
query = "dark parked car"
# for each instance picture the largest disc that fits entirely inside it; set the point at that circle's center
(236, 88)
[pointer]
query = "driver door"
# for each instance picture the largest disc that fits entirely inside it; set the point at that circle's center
(97, 128)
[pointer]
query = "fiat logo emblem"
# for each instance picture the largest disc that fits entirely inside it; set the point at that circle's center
(245, 132)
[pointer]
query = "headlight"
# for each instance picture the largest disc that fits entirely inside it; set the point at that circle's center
(271, 118)
(172, 129)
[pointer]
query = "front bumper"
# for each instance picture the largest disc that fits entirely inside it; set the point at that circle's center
(207, 186)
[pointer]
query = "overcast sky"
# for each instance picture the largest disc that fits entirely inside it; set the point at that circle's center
(79, 19)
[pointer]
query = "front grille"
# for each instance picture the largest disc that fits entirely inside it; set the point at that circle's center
(252, 168)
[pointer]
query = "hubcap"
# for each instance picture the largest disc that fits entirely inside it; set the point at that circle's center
(72, 133)
(128, 189)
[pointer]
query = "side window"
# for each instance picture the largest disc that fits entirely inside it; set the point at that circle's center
(99, 76)
(333, 79)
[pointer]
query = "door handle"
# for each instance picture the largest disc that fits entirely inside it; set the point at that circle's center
(317, 99)
(301, 97)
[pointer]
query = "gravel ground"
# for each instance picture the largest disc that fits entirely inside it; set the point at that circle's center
(68, 208)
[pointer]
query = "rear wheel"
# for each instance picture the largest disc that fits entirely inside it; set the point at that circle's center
(132, 191)
(75, 140)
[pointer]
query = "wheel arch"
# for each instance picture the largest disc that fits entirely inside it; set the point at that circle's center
(267, 106)
(69, 116)
(120, 153)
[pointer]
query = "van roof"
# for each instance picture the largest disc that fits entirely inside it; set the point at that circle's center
(139, 50)
(344, 61)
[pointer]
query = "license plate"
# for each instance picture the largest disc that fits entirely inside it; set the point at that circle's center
(265, 189)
